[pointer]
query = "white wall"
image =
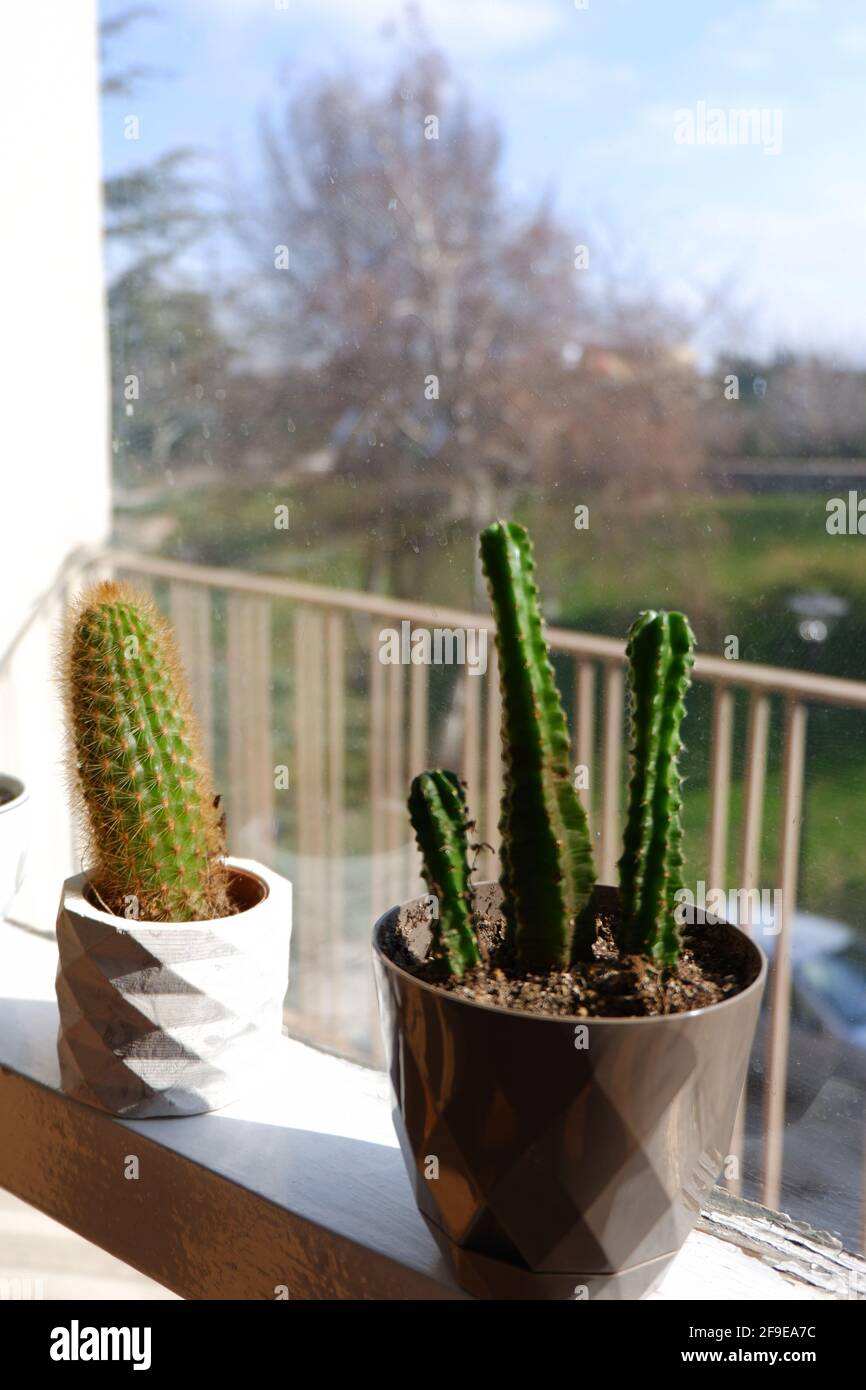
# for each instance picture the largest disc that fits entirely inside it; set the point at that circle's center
(54, 449)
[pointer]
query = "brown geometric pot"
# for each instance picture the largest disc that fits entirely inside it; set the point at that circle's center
(557, 1158)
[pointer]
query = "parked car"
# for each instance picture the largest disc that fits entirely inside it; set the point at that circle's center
(828, 1007)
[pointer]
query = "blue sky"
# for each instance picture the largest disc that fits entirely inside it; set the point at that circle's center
(587, 100)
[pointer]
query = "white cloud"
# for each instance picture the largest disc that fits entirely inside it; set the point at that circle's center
(787, 263)
(852, 41)
(746, 61)
(455, 24)
(561, 77)
(788, 8)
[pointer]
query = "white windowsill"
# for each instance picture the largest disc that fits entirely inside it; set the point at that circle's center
(301, 1184)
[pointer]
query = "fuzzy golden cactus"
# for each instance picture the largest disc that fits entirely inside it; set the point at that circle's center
(154, 831)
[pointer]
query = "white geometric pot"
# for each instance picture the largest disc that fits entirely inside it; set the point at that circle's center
(171, 1018)
(14, 836)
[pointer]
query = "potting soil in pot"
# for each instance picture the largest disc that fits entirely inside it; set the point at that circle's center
(712, 967)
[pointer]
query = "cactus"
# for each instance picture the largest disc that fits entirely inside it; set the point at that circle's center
(437, 808)
(546, 853)
(155, 833)
(660, 654)
(547, 861)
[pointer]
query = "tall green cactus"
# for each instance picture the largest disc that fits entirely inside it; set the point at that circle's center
(548, 872)
(546, 854)
(660, 653)
(155, 833)
(437, 808)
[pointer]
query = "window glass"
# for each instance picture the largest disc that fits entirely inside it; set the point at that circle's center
(378, 275)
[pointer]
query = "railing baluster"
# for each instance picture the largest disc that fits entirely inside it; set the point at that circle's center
(754, 778)
(251, 774)
(780, 976)
(614, 685)
(303, 779)
(720, 785)
(418, 715)
(489, 863)
(376, 754)
(336, 849)
(472, 740)
(298, 781)
(584, 743)
(317, 902)
(395, 782)
(376, 759)
(309, 780)
(418, 739)
(190, 608)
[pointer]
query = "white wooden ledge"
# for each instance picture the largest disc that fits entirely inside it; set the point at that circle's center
(301, 1186)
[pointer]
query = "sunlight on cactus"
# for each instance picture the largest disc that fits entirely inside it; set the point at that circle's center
(660, 654)
(155, 837)
(437, 808)
(547, 871)
(547, 863)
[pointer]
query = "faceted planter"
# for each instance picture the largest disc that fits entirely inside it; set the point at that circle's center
(14, 836)
(171, 1018)
(557, 1158)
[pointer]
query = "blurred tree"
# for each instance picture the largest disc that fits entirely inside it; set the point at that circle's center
(406, 329)
(789, 407)
(168, 361)
(168, 356)
(431, 316)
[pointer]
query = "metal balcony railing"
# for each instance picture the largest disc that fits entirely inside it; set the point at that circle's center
(315, 741)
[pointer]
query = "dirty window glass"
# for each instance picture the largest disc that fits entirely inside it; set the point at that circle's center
(378, 276)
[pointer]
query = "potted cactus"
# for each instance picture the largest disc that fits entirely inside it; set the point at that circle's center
(173, 958)
(14, 836)
(566, 1056)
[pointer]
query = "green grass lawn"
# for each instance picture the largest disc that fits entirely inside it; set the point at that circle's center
(833, 866)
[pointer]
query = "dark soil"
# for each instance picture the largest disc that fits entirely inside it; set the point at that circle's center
(714, 965)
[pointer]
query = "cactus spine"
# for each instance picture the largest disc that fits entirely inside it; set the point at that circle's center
(155, 834)
(437, 808)
(548, 871)
(660, 654)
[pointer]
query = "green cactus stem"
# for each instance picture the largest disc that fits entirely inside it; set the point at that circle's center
(154, 830)
(437, 809)
(660, 654)
(547, 873)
